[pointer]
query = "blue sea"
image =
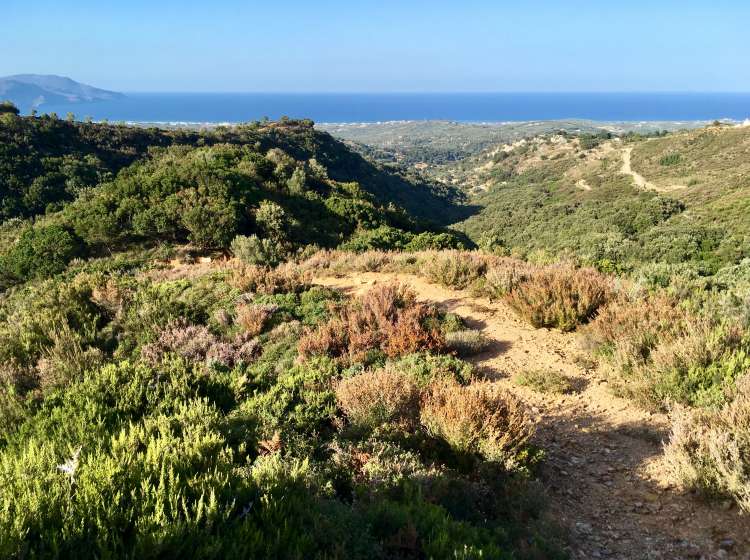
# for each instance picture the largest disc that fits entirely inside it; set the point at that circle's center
(462, 107)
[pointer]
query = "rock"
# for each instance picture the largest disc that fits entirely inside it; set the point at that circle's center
(584, 528)
(726, 544)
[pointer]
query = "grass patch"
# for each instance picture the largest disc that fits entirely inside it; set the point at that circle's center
(545, 381)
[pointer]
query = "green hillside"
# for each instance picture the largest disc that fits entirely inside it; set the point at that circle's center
(75, 190)
(44, 161)
(570, 195)
(256, 342)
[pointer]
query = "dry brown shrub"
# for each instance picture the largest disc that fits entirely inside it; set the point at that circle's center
(386, 318)
(478, 418)
(466, 342)
(373, 398)
(710, 450)
(285, 278)
(271, 445)
(560, 296)
(410, 332)
(108, 295)
(329, 338)
(632, 329)
(343, 262)
(253, 317)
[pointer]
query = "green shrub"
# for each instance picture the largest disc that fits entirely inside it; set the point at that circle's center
(709, 450)
(670, 159)
(429, 241)
(545, 381)
(8, 107)
(453, 269)
(255, 251)
(41, 252)
(210, 220)
(384, 238)
(425, 367)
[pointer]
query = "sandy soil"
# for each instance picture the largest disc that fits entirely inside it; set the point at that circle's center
(602, 469)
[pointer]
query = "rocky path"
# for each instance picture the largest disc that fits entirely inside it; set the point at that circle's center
(603, 453)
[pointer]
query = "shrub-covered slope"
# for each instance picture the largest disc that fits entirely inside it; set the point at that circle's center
(559, 194)
(45, 160)
(105, 188)
(246, 413)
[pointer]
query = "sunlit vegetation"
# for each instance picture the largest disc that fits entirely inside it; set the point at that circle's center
(173, 382)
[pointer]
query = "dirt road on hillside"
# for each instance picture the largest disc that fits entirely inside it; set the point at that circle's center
(639, 180)
(602, 468)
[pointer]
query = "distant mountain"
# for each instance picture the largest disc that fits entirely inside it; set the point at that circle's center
(29, 91)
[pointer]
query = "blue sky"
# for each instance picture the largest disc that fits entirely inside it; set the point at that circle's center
(385, 45)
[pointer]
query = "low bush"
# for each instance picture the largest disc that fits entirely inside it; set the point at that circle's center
(466, 342)
(709, 450)
(198, 345)
(386, 319)
(373, 398)
(662, 353)
(252, 318)
(699, 367)
(453, 269)
(670, 159)
(479, 418)
(286, 278)
(502, 278)
(545, 381)
(562, 297)
(425, 367)
(41, 252)
(255, 251)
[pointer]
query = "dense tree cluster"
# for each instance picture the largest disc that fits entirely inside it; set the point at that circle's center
(110, 187)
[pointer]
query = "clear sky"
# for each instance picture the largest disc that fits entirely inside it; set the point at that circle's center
(383, 45)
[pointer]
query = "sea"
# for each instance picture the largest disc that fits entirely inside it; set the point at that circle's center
(186, 108)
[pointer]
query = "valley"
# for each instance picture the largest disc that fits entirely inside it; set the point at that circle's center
(519, 341)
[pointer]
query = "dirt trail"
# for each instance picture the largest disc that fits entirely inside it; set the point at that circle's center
(639, 180)
(602, 467)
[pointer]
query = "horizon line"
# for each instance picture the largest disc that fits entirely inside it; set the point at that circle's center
(447, 92)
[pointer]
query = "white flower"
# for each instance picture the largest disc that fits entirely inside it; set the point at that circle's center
(69, 467)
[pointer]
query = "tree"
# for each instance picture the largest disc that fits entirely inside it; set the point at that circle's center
(296, 183)
(41, 252)
(8, 107)
(273, 221)
(212, 221)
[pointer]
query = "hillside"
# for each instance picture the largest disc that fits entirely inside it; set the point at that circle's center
(425, 145)
(676, 198)
(92, 188)
(37, 159)
(255, 342)
(31, 91)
